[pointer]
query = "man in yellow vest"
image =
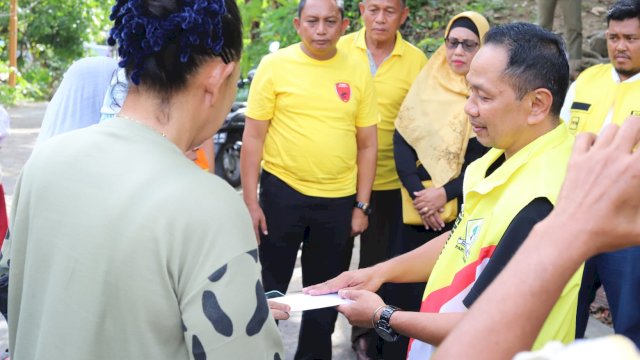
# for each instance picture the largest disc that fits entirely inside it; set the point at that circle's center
(603, 178)
(518, 81)
(603, 94)
(311, 122)
(394, 63)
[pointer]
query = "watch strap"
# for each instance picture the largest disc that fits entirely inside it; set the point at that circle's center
(365, 207)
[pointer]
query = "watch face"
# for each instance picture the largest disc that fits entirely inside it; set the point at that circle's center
(386, 333)
(382, 326)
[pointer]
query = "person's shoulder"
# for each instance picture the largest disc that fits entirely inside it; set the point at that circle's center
(349, 40)
(354, 65)
(275, 60)
(289, 52)
(595, 71)
(89, 65)
(413, 50)
(207, 186)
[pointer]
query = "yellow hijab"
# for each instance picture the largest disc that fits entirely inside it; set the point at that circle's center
(432, 118)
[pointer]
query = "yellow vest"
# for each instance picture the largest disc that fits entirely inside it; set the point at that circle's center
(490, 204)
(597, 93)
(392, 80)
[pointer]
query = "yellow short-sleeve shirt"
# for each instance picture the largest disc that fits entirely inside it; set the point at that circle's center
(314, 108)
(392, 81)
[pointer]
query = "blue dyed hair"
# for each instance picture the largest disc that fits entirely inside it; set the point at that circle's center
(161, 42)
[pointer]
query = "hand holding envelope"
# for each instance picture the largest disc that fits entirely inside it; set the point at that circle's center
(301, 302)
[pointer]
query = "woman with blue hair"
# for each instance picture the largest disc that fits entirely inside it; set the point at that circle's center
(120, 247)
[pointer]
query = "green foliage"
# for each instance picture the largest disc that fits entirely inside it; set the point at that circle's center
(30, 85)
(267, 21)
(51, 34)
(265, 27)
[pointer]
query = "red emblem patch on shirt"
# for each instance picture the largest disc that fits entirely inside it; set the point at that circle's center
(344, 91)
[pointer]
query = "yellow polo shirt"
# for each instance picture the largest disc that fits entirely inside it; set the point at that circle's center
(315, 108)
(392, 81)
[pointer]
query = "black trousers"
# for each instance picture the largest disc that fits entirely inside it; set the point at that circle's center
(322, 226)
(619, 273)
(407, 296)
(375, 246)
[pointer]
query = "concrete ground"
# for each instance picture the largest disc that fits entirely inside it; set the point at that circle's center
(25, 122)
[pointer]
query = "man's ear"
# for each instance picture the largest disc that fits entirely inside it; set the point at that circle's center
(539, 101)
(217, 74)
(404, 15)
(296, 24)
(361, 7)
(345, 25)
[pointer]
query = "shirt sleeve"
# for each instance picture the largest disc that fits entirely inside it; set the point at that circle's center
(367, 108)
(216, 278)
(475, 150)
(261, 102)
(227, 313)
(406, 160)
(513, 237)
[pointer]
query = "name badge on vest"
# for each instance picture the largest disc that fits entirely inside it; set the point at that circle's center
(575, 120)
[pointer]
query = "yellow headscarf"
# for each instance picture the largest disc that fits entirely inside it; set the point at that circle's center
(432, 118)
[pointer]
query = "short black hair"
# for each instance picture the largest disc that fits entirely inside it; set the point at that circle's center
(623, 10)
(302, 3)
(537, 58)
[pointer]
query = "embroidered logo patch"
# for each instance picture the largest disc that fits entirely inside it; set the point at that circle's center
(344, 91)
(473, 231)
(573, 123)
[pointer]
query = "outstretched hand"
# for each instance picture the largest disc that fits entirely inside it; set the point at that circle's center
(357, 279)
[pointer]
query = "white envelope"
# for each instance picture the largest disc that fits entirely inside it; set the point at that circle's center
(301, 302)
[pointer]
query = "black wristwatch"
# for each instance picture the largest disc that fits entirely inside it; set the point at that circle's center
(366, 209)
(382, 326)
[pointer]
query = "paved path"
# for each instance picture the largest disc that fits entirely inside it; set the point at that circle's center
(25, 121)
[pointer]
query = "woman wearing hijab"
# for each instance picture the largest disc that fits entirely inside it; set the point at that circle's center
(119, 246)
(433, 144)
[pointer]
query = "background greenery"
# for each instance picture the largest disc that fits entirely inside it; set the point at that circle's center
(52, 34)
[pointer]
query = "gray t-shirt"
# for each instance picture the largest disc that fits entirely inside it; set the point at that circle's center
(122, 248)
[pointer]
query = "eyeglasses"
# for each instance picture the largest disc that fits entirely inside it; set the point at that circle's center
(467, 45)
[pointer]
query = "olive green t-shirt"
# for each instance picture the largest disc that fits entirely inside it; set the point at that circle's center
(121, 248)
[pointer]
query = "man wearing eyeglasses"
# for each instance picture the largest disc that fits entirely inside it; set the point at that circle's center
(518, 81)
(394, 63)
(603, 94)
